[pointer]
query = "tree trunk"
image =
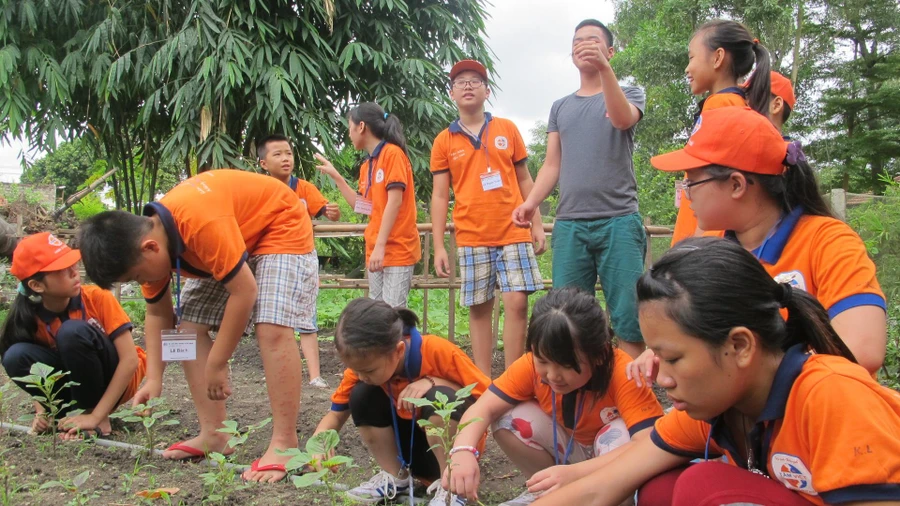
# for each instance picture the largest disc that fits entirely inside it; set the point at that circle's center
(797, 41)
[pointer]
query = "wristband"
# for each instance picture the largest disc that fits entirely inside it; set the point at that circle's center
(430, 380)
(471, 449)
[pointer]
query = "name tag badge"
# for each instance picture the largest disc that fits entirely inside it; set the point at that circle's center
(679, 188)
(179, 345)
(491, 181)
(363, 206)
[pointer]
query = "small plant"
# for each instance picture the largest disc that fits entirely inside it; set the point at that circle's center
(128, 478)
(444, 409)
(9, 489)
(74, 485)
(220, 483)
(45, 380)
(320, 457)
(7, 393)
(238, 437)
(148, 416)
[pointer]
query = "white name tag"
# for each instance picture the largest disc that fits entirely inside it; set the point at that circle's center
(363, 206)
(179, 345)
(491, 181)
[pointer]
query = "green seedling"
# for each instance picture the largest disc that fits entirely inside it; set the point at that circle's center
(220, 483)
(320, 457)
(46, 381)
(148, 416)
(75, 485)
(238, 437)
(9, 489)
(7, 393)
(445, 431)
(128, 478)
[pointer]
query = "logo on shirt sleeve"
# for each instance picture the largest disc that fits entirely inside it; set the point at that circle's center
(609, 414)
(793, 473)
(379, 176)
(793, 278)
(501, 142)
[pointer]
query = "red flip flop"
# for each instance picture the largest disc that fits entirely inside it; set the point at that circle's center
(193, 453)
(254, 466)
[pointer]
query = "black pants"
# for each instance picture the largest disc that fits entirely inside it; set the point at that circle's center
(370, 406)
(81, 349)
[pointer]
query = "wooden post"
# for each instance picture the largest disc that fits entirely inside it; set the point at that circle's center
(20, 226)
(427, 256)
(648, 254)
(839, 203)
(452, 302)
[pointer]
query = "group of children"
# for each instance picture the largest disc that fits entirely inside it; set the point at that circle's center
(765, 341)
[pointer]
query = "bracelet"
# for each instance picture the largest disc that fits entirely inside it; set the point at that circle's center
(471, 449)
(430, 380)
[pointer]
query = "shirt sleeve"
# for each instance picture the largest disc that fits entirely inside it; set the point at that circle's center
(636, 97)
(844, 275)
(340, 399)
(554, 113)
(315, 201)
(520, 153)
(153, 292)
(440, 160)
(220, 247)
(397, 170)
(851, 429)
(638, 406)
(454, 365)
(681, 435)
(111, 315)
(516, 384)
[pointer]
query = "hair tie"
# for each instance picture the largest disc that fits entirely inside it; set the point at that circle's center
(385, 115)
(795, 153)
(34, 298)
(787, 293)
(21, 289)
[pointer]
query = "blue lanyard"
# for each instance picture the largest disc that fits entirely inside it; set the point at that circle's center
(371, 164)
(83, 318)
(574, 428)
(177, 291)
(403, 463)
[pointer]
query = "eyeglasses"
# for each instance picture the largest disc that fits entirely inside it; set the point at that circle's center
(461, 84)
(687, 186)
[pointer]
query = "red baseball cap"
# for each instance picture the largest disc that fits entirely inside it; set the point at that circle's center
(42, 252)
(735, 137)
(465, 65)
(781, 87)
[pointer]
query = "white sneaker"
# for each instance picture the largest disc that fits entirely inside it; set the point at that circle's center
(318, 382)
(382, 486)
(523, 500)
(440, 496)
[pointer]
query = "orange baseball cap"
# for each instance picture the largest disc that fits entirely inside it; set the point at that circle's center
(781, 87)
(735, 137)
(464, 65)
(42, 252)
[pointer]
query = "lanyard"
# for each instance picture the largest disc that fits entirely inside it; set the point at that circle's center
(83, 318)
(482, 144)
(574, 427)
(403, 463)
(177, 291)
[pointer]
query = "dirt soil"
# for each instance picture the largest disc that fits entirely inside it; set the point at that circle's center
(27, 461)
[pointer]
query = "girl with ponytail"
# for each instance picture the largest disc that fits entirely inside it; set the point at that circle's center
(388, 361)
(796, 428)
(720, 54)
(386, 194)
(743, 178)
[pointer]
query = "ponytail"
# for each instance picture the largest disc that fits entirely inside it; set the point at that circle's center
(368, 326)
(383, 125)
(744, 50)
(21, 320)
(696, 280)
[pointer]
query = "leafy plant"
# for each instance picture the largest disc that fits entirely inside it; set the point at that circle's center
(220, 483)
(323, 463)
(238, 437)
(7, 393)
(9, 489)
(444, 408)
(75, 485)
(128, 478)
(45, 380)
(148, 416)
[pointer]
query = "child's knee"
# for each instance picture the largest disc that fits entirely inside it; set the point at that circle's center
(611, 436)
(429, 412)
(76, 334)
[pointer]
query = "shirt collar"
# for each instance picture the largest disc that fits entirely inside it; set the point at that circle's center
(48, 316)
(377, 151)
(456, 128)
(176, 243)
(771, 249)
(293, 182)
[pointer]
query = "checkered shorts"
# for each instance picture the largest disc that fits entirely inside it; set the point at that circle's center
(287, 285)
(391, 285)
(480, 266)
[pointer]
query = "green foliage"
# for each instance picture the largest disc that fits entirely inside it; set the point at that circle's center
(9, 489)
(76, 486)
(220, 483)
(149, 416)
(136, 311)
(320, 462)
(7, 394)
(88, 206)
(537, 149)
(239, 437)
(69, 165)
(47, 382)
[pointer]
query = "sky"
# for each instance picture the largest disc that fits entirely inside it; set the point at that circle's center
(531, 40)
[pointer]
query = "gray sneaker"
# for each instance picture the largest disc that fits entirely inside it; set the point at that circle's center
(318, 382)
(523, 500)
(382, 487)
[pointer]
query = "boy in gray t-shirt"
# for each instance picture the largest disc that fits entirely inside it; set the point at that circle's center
(590, 142)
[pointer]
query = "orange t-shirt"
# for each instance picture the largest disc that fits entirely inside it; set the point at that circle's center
(637, 406)
(828, 431)
(388, 168)
(824, 257)
(686, 222)
(216, 220)
(426, 355)
(483, 217)
(309, 195)
(100, 309)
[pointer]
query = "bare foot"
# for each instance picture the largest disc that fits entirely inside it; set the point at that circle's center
(202, 444)
(268, 469)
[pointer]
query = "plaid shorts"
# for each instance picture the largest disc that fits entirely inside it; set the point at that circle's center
(480, 266)
(287, 288)
(391, 285)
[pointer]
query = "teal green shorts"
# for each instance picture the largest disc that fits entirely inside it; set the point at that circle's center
(611, 248)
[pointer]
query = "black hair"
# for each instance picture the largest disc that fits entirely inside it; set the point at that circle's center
(712, 285)
(21, 320)
(785, 112)
(736, 40)
(110, 244)
(797, 186)
(368, 326)
(569, 323)
(385, 128)
(593, 22)
(262, 144)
